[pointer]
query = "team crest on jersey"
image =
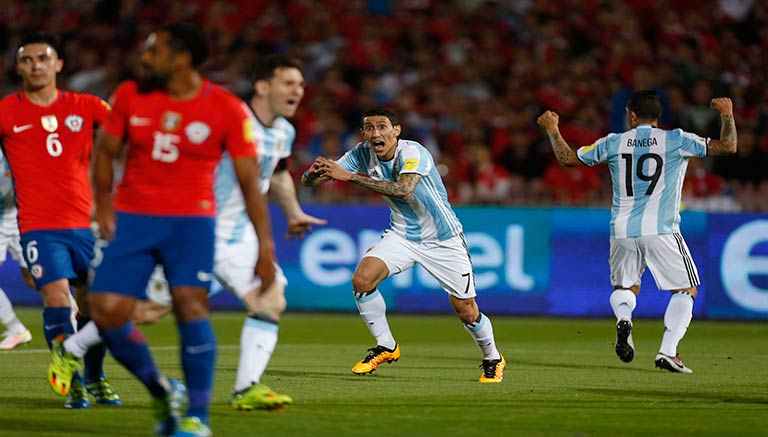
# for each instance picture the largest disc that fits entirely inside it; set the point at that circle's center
(49, 122)
(36, 271)
(197, 132)
(74, 123)
(170, 121)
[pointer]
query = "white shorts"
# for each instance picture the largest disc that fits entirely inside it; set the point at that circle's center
(447, 261)
(9, 242)
(667, 256)
(235, 263)
(233, 267)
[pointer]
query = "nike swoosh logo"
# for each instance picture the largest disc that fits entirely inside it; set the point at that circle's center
(139, 121)
(204, 276)
(17, 129)
(52, 327)
(200, 349)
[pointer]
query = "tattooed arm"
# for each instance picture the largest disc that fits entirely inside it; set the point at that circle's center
(726, 145)
(401, 189)
(549, 121)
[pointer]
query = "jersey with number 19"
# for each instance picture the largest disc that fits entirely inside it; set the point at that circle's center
(49, 153)
(647, 168)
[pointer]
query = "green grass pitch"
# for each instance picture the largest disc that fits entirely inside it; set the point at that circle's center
(562, 379)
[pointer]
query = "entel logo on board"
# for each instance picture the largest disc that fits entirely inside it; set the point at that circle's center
(737, 265)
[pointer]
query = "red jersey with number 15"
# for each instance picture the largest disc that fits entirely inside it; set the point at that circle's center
(49, 152)
(174, 147)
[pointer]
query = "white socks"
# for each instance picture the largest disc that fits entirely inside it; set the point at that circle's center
(257, 342)
(676, 320)
(482, 331)
(8, 317)
(373, 310)
(78, 343)
(623, 302)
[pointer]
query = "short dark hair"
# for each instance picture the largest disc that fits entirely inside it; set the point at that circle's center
(646, 104)
(393, 118)
(266, 66)
(188, 38)
(40, 38)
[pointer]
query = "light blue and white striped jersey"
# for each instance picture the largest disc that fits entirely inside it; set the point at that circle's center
(647, 167)
(274, 143)
(8, 218)
(427, 215)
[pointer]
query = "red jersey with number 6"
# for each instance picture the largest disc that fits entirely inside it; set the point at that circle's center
(49, 153)
(174, 147)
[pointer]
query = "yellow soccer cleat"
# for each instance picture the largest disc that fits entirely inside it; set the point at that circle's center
(493, 370)
(258, 397)
(376, 355)
(62, 367)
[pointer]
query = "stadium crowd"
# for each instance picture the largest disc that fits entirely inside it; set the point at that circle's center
(468, 77)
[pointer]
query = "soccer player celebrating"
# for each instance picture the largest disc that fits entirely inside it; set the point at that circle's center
(177, 125)
(647, 169)
(279, 86)
(47, 136)
(424, 230)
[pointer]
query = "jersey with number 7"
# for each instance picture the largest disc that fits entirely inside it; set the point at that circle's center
(48, 150)
(647, 167)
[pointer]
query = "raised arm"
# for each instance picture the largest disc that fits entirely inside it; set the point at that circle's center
(727, 143)
(549, 120)
(247, 171)
(108, 148)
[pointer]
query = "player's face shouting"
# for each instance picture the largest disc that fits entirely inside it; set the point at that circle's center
(37, 64)
(381, 135)
(284, 91)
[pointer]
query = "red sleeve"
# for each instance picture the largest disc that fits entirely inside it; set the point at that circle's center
(115, 122)
(100, 109)
(238, 138)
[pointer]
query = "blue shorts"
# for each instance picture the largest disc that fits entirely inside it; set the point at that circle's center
(58, 254)
(182, 245)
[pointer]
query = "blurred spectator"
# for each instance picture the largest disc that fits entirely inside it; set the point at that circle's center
(460, 72)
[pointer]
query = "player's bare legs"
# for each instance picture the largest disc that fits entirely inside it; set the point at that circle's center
(676, 320)
(111, 310)
(370, 303)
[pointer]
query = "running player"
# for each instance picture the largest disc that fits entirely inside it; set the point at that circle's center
(47, 137)
(423, 230)
(176, 125)
(647, 170)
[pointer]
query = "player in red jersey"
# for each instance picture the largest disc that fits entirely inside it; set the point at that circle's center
(177, 125)
(47, 137)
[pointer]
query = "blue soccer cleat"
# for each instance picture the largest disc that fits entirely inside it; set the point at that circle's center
(167, 409)
(192, 427)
